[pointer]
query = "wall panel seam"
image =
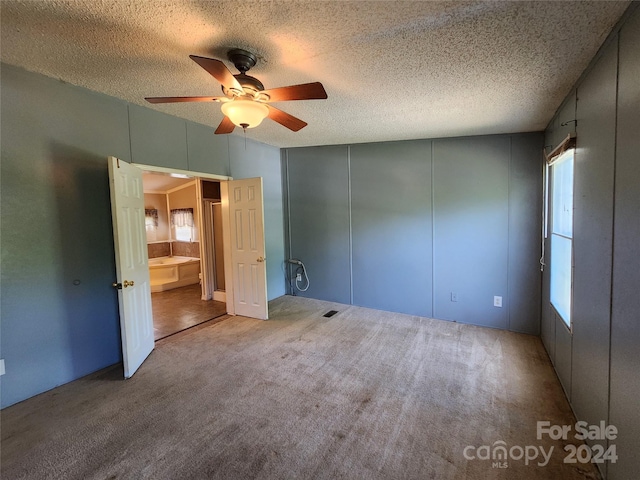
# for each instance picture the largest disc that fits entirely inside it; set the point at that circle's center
(228, 155)
(433, 232)
(288, 267)
(509, 172)
(350, 226)
(613, 229)
(186, 142)
(129, 130)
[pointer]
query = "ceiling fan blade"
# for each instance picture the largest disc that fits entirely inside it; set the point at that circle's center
(217, 70)
(226, 126)
(306, 91)
(182, 99)
(286, 120)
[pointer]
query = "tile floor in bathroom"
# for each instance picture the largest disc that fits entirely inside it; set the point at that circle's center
(181, 308)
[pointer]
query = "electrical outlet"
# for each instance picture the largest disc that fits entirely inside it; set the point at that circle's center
(299, 277)
(2, 367)
(454, 297)
(497, 301)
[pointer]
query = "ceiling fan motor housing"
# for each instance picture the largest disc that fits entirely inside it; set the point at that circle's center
(243, 61)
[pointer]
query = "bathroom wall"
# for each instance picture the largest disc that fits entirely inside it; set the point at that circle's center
(57, 239)
(158, 201)
(159, 249)
(185, 197)
(185, 249)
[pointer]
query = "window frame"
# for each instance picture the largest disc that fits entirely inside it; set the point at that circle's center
(188, 227)
(567, 155)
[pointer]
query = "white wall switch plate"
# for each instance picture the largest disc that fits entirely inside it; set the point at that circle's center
(497, 301)
(454, 297)
(2, 367)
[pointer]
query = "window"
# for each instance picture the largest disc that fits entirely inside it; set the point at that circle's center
(150, 218)
(561, 204)
(182, 224)
(151, 223)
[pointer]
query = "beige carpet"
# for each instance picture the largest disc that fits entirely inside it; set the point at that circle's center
(362, 395)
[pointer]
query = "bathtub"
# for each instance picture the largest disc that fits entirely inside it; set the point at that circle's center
(172, 272)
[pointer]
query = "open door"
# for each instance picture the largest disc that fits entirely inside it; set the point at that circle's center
(132, 269)
(246, 218)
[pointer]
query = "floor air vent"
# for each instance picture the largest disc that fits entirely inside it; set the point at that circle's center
(330, 313)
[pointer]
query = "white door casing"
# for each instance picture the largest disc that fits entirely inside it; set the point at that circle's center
(246, 218)
(132, 269)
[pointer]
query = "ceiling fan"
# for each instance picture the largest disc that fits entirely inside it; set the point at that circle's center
(245, 102)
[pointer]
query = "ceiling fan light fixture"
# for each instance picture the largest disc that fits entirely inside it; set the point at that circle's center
(245, 101)
(245, 113)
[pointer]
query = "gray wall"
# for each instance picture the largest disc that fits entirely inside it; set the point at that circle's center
(387, 225)
(625, 316)
(598, 362)
(318, 218)
(471, 229)
(56, 219)
(400, 226)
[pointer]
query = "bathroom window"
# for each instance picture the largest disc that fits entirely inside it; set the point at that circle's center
(182, 224)
(151, 223)
(150, 218)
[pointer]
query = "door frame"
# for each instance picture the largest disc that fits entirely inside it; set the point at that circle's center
(224, 193)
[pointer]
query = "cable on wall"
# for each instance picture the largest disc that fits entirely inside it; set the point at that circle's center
(301, 271)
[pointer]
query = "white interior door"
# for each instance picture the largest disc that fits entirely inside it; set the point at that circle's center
(132, 269)
(246, 218)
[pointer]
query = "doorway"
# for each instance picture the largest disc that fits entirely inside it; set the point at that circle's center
(180, 232)
(244, 252)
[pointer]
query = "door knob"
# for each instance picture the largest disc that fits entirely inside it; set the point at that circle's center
(128, 283)
(117, 285)
(261, 259)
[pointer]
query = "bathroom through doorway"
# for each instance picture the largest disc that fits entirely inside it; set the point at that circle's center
(244, 251)
(183, 224)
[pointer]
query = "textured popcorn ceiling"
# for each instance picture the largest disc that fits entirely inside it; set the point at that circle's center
(392, 69)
